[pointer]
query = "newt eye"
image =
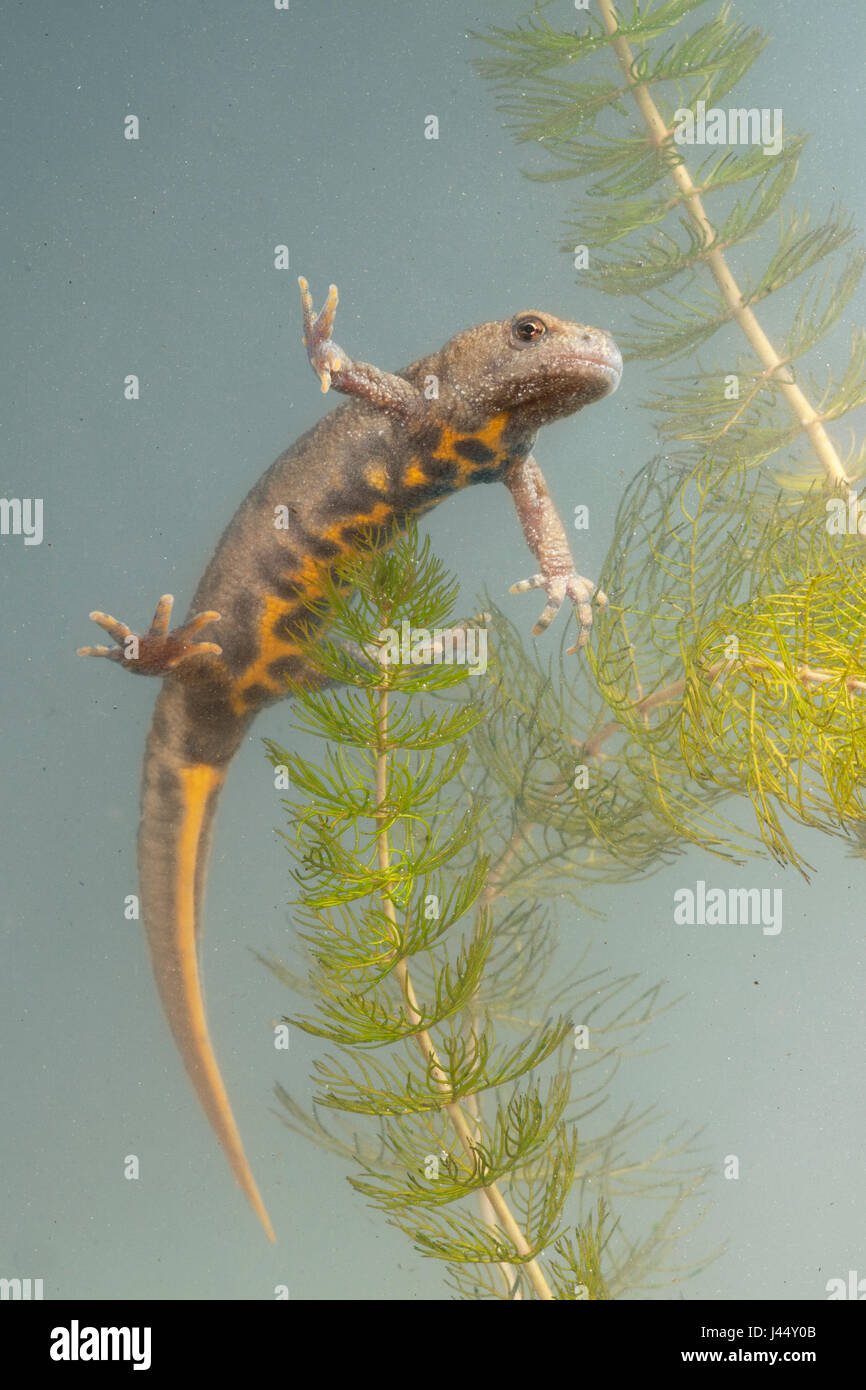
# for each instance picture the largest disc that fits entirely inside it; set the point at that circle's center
(528, 329)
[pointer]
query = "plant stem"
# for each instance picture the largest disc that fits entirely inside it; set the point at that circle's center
(423, 1039)
(659, 133)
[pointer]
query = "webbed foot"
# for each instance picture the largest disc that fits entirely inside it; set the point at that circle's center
(159, 650)
(559, 587)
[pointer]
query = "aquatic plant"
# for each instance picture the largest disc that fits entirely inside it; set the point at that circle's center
(730, 663)
(731, 659)
(461, 1058)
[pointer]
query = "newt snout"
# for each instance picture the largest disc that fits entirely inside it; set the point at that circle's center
(596, 350)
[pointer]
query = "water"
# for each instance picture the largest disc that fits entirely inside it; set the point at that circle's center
(155, 257)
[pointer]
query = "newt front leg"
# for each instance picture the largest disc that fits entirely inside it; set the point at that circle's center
(546, 538)
(335, 368)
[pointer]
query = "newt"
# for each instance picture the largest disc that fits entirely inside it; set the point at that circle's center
(405, 441)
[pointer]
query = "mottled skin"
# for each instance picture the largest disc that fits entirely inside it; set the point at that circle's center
(394, 451)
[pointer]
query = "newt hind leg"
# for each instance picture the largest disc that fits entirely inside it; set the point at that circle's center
(160, 649)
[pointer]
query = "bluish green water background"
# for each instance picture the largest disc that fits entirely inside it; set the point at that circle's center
(156, 257)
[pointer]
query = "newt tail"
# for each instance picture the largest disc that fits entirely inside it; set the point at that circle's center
(178, 803)
(405, 441)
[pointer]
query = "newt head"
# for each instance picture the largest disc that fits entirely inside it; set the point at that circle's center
(535, 366)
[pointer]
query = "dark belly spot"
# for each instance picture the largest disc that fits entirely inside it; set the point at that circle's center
(239, 632)
(286, 668)
(256, 694)
(286, 625)
(474, 450)
(489, 475)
